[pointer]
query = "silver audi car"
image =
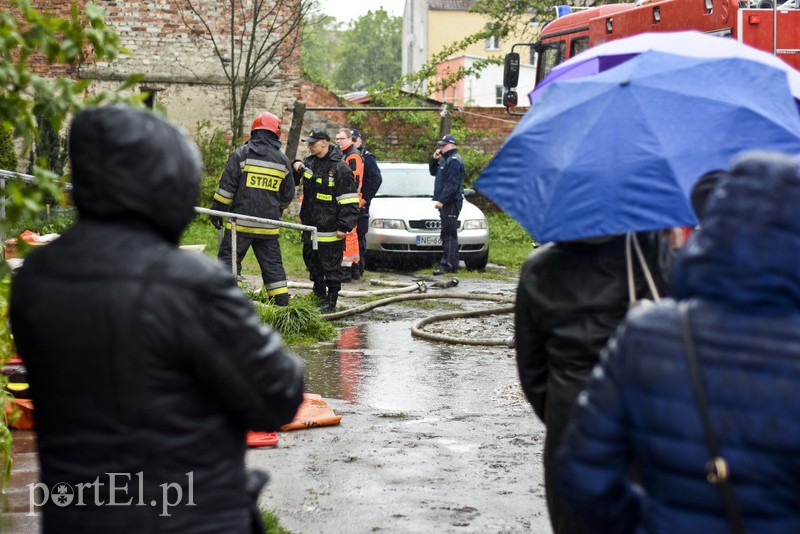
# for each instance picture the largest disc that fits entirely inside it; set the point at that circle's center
(404, 224)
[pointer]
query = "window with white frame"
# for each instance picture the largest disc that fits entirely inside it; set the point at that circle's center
(493, 40)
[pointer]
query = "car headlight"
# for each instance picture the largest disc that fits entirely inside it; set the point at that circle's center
(476, 224)
(389, 224)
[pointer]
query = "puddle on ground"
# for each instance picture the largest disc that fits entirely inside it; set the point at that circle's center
(382, 365)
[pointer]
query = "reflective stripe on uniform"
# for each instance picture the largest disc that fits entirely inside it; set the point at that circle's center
(222, 196)
(276, 288)
(259, 230)
(323, 196)
(327, 237)
(266, 164)
(348, 198)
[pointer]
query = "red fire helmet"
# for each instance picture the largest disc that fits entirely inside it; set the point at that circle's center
(267, 121)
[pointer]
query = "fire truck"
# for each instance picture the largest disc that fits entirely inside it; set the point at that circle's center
(774, 28)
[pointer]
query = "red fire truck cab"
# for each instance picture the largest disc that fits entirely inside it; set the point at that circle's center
(752, 22)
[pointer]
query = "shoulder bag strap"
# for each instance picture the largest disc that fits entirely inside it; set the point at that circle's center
(632, 242)
(717, 471)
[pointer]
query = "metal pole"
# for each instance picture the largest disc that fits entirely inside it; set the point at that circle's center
(352, 108)
(233, 249)
(775, 27)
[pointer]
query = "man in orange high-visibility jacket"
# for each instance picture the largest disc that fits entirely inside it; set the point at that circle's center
(355, 161)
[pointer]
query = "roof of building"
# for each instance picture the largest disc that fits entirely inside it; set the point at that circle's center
(451, 5)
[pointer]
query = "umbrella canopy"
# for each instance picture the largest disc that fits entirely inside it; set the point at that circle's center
(689, 43)
(620, 151)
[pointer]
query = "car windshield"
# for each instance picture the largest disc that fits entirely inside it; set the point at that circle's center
(406, 183)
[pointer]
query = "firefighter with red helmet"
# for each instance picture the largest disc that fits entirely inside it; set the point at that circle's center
(257, 182)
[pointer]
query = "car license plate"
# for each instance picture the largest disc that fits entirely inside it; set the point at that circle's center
(429, 241)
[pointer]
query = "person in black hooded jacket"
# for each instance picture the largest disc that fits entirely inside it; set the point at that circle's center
(571, 297)
(147, 363)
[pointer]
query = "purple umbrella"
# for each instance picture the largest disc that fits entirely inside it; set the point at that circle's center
(690, 43)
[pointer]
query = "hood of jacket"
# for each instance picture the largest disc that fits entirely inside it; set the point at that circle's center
(262, 140)
(747, 250)
(132, 167)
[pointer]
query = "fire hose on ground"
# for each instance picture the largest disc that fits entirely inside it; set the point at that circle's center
(408, 292)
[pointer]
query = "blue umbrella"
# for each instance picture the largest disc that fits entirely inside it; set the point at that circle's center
(619, 151)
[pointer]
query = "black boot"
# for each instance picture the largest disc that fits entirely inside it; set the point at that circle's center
(329, 305)
(282, 299)
(346, 274)
(358, 270)
(320, 291)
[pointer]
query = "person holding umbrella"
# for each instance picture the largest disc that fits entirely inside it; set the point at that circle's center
(572, 295)
(701, 391)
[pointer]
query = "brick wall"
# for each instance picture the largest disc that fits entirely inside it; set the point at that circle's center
(169, 46)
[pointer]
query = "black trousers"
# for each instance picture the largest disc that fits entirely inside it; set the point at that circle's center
(449, 235)
(268, 254)
(324, 263)
(362, 227)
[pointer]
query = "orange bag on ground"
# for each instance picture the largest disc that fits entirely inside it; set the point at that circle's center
(25, 410)
(261, 439)
(313, 412)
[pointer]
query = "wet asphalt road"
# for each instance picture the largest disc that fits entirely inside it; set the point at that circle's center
(434, 437)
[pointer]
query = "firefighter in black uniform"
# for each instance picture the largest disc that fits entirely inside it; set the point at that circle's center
(330, 202)
(256, 182)
(370, 184)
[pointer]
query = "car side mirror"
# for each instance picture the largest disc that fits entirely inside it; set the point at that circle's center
(511, 70)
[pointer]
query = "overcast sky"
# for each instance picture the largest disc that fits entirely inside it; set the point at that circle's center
(346, 10)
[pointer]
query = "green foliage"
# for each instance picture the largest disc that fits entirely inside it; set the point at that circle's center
(214, 149)
(272, 524)
(369, 51)
(50, 221)
(6, 351)
(319, 40)
(51, 147)
(8, 156)
(509, 243)
(299, 322)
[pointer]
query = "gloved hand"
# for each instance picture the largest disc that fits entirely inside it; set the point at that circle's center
(216, 221)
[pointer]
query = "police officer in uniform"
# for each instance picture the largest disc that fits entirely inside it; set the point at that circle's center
(369, 188)
(448, 193)
(330, 202)
(256, 182)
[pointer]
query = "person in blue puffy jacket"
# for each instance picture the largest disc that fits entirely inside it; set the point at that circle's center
(740, 276)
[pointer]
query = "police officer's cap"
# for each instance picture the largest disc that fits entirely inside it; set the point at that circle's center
(316, 135)
(447, 140)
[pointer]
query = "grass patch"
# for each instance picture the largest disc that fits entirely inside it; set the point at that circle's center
(272, 524)
(509, 243)
(201, 231)
(298, 323)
